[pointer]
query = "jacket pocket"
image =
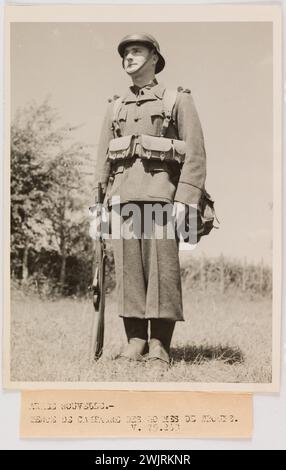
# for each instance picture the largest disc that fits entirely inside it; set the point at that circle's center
(162, 186)
(156, 113)
(156, 167)
(156, 109)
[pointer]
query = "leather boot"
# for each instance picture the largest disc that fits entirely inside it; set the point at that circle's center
(137, 333)
(159, 344)
(135, 350)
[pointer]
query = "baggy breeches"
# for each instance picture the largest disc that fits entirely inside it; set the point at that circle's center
(148, 279)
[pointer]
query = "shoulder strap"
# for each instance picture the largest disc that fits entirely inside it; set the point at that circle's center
(169, 99)
(116, 108)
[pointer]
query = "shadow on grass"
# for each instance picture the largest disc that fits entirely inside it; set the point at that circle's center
(198, 354)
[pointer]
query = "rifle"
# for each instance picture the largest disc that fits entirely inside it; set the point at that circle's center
(98, 297)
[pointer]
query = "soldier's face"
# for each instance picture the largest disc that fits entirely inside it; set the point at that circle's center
(135, 57)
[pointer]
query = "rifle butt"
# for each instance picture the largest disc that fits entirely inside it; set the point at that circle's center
(97, 337)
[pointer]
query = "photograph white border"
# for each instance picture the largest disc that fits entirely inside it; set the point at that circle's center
(170, 13)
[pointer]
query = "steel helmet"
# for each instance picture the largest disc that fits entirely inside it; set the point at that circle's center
(145, 39)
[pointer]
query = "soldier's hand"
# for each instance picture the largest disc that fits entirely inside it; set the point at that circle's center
(179, 212)
(94, 225)
(99, 221)
(95, 222)
(188, 221)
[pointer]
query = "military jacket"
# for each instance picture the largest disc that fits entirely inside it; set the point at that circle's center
(141, 112)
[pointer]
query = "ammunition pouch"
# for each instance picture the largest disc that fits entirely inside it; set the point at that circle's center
(162, 148)
(147, 147)
(121, 148)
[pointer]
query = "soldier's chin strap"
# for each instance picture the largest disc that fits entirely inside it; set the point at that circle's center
(147, 59)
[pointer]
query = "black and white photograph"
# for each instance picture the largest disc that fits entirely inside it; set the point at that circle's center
(143, 201)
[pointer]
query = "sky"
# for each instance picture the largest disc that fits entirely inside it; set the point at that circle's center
(227, 66)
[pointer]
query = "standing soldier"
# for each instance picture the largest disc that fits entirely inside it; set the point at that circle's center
(151, 151)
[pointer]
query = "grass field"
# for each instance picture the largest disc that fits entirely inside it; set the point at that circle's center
(225, 338)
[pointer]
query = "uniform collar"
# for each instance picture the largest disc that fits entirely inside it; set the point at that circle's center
(151, 84)
(152, 91)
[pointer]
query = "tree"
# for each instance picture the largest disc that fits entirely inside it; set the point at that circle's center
(69, 196)
(49, 187)
(32, 141)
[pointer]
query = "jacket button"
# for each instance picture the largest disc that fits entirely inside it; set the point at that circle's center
(137, 103)
(136, 119)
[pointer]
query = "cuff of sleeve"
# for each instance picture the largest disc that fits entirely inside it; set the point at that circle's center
(188, 194)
